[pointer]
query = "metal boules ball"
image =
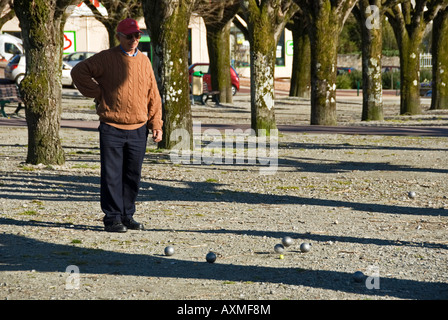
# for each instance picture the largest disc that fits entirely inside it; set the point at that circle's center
(411, 194)
(358, 276)
(169, 251)
(305, 247)
(287, 241)
(279, 248)
(210, 257)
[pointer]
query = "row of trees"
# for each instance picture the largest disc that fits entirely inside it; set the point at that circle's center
(316, 25)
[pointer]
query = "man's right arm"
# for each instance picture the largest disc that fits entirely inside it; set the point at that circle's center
(83, 75)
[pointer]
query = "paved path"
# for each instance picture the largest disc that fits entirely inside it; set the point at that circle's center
(349, 95)
(440, 131)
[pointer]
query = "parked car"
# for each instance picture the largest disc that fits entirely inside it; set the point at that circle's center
(16, 68)
(10, 46)
(204, 69)
(428, 94)
(73, 58)
(66, 75)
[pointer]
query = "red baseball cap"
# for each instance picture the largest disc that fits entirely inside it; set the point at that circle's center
(128, 26)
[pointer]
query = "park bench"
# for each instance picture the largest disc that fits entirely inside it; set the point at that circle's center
(200, 90)
(206, 95)
(9, 93)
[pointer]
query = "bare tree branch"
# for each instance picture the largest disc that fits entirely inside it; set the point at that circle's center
(4, 4)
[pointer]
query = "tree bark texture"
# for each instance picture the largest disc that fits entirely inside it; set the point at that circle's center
(410, 73)
(218, 43)
(409, 20)
(326, 19)
(372, 88)
(167, 21)
(301, 64)
(218, 16)
(265, 21)
(324, 34)
(42, 24)
(439, 99)
(262, 67)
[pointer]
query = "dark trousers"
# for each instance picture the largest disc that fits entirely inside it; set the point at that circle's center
(122, 153)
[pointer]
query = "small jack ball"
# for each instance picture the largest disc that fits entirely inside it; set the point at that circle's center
(358, 276)
(169, 251)
(287, 241)
(279, 248)
(305, 247)
(210, 257)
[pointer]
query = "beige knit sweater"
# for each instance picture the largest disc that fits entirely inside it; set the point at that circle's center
(124, 86)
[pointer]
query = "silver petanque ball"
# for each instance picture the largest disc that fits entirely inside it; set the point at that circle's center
(210, 257)
(287, 241)
(169, 251)
(305, 247)
(358, 276)
(411, 194)
(279, 248)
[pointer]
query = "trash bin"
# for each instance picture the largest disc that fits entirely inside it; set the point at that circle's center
(197, 84)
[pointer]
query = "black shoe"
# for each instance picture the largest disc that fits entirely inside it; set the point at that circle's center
(133, 225)
(115, 227)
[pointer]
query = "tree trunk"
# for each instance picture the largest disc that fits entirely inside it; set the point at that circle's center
(219, 54)
(410, 73)
(218, 16)
(42, 26)
(168, 24)
(111, 32)
(265, 21)
(301, 64)
(262, 67)
(409, 20)
(326, 19)
(372, 88)
(324, 40)
(439, 98)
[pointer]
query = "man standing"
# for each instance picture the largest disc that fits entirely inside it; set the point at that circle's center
(122, 82)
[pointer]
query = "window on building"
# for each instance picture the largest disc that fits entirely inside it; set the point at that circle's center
(240, 48)
(280, 52)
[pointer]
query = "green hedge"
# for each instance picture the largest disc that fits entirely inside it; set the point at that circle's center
(350, 80)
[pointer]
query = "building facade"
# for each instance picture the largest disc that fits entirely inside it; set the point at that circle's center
(82, 32)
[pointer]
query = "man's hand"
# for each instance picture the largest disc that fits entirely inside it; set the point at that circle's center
(157, 135)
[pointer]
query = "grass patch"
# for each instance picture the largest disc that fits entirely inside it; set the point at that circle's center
(27, 168)
(28, 213)
(288, 188)
(85, 166)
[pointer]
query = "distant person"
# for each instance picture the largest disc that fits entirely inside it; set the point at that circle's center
(121, 80)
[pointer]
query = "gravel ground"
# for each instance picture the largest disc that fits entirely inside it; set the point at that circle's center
(346, 195)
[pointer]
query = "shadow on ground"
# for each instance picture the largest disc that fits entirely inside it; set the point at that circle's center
(48, 257)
